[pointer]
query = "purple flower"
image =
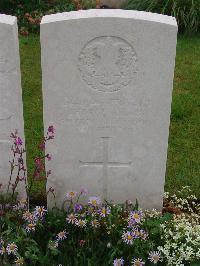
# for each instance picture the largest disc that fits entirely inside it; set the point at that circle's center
(118, 262)
(134, 217)
(136, 233)
(18, 141)
(104, 211)
(71, 194)
(94, 201)
(128, 237)
(78, 207)
(84, 191)
(143, 234)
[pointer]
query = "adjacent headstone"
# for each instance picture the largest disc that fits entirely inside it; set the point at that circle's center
(107, 89)
(11, 109)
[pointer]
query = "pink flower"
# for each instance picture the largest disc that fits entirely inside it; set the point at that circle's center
(37, 175)
(82, 242)
(38, 161)
(49, 157)
(51, 129)
(42, 146)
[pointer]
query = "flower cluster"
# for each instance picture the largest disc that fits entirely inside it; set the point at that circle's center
(39, 172)
(22, 204)
(181, 238)
(11, 250)
(183, 201)
(32, 218)
(154, 257)
(126, 235)
(134, 232)
(17, 164)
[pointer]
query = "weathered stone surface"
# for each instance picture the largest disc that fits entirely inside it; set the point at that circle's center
(107, 86)
(11, 110)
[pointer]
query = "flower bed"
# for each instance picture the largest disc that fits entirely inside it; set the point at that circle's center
(96, 233)
(100, 233)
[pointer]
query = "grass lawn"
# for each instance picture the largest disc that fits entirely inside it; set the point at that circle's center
(183, 165)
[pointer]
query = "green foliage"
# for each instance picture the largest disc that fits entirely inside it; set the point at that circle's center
(30, 12)
(187, 12)
(183, 164)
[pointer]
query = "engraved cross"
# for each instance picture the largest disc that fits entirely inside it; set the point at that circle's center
(105, 164)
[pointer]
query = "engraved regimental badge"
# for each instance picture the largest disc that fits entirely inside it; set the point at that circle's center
(107, 63)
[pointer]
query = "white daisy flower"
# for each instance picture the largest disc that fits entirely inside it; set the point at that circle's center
(19, 261)
(81, 223)
(128, 237)
(71, 218)
(2, 250)
(40, 211)
(11, 248)
(138, 262)
(71, 194)
(62, 235)
(30, 227)
(29, 217)
(95, 223)
(155, 257)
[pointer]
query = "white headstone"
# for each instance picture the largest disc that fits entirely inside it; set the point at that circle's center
(11, 108)
(107, 89)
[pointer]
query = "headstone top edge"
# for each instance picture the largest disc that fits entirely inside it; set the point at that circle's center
(7, 19)
(110, 13)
